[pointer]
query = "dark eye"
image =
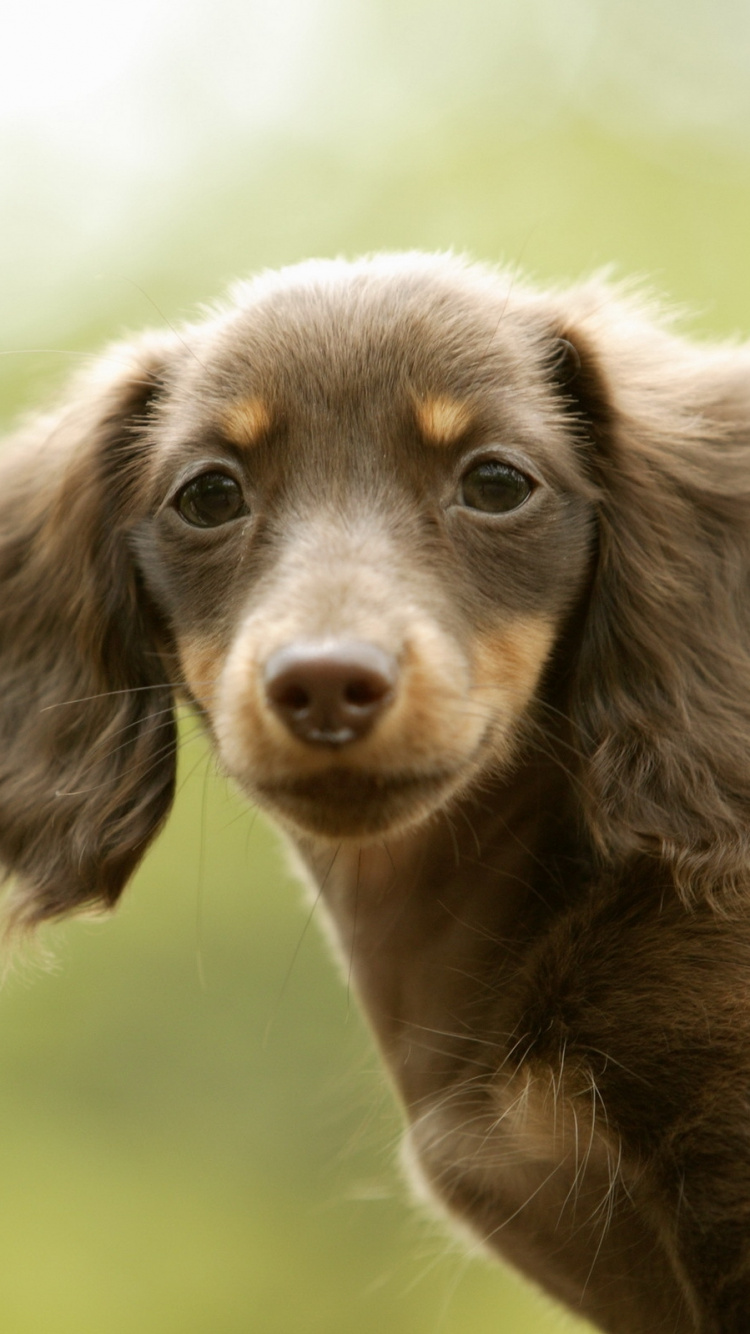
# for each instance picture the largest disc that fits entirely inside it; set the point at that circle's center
(494, 487)
(211, 500)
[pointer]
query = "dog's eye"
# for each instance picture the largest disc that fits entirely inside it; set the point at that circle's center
(494, 487)
(211, 500)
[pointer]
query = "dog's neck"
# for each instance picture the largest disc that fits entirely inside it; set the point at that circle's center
(431, 922)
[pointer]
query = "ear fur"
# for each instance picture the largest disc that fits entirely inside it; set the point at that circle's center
(87, 732)
(661, 693)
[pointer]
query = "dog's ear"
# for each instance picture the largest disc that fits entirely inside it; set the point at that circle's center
(87, 731)
(660, 695)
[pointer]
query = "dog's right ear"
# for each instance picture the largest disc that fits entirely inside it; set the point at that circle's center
(660, 694)
(87, 732)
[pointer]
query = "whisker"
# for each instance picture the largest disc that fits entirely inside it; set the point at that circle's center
(354, 933)
(153, 759)
(200, 880)
(128, 690)
(168, 323)
(449, 826)
(298, 947)
(172, 710)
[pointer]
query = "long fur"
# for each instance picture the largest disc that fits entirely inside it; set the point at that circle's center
(541, 840)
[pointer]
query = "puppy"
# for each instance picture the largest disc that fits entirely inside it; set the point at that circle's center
(456, 575)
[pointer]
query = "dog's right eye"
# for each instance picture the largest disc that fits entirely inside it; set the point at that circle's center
(211, 500)
(494, 487)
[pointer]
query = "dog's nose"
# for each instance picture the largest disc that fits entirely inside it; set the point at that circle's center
(330, 692)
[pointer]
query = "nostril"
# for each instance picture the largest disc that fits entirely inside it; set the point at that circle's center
(290, 696)
(330, 692)
(363, 692)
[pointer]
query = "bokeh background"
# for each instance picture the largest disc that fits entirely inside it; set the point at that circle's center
(195, 1137)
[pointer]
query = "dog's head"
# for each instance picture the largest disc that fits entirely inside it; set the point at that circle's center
(354, 517)
(364, 521)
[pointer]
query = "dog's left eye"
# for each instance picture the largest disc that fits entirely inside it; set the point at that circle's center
(494, 487)
(210, 500)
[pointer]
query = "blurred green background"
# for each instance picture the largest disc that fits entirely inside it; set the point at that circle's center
(196, 1137)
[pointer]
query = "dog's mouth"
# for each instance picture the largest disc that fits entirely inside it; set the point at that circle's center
(344, 802)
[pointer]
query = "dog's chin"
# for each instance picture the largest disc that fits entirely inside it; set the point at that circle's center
(350, 803)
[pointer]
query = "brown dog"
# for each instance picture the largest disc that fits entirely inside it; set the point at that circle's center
(456, 574)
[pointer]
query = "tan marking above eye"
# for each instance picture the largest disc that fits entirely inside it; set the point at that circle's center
(246, 421)
(442, 420)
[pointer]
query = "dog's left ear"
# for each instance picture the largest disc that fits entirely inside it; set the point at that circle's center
(87, 733)
(660, 695)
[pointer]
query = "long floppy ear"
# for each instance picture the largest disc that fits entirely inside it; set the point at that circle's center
(87, 732)
(661, 692)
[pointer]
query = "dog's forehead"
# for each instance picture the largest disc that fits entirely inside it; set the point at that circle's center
(345, 336)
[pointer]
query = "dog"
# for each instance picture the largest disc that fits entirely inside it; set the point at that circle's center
(455, 573)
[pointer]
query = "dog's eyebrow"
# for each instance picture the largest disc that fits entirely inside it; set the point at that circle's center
(442, 420)
(245, 421)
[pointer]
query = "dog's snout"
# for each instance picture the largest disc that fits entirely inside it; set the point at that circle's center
(329, 693)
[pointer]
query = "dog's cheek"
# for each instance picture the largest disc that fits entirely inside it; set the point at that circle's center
(509, 661)
(202, 661)
(432, 722)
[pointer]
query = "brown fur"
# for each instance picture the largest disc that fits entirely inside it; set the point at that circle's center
(537, 856)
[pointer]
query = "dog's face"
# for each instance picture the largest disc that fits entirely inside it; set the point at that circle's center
(365, 521)
(362, 517)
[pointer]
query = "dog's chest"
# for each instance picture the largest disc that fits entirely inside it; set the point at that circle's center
(528, 1153)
